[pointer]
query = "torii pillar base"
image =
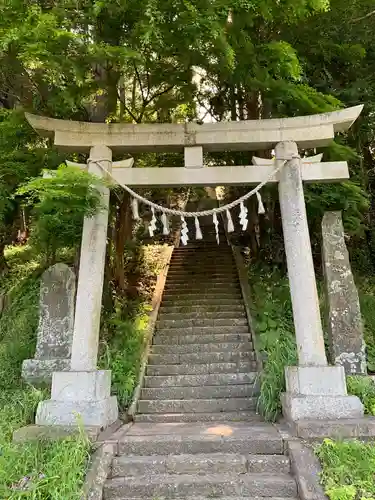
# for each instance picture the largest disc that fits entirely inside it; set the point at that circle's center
(79, 398)
(318, 393)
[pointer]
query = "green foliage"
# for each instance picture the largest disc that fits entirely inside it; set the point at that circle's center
(347, 197)
(274, 325)
(18, 326)
(60, 202)
(121, 352)
(364, 388)
(366, 289)
(37, 470)
(348, 469)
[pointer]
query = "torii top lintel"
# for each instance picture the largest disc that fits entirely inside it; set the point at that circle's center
(248, 135)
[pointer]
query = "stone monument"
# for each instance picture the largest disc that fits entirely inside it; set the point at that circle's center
(345, 329)
(55, 329)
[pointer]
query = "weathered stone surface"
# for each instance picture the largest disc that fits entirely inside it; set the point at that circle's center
(55, 329)
(363, 428)
(306, 470)
(307, 131)
(297, 407)
(303, 290)
(53, 433)
(209, 485)
(316, 380)
(345, 327)
(79, 398)
(39, 371)
(100, 413)
(98, 471)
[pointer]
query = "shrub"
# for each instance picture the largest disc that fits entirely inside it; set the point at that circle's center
(274, 322)
(364, 388)
(348, 469)
(121, 352)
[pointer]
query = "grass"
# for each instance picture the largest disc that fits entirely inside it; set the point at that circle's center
(348, 469)
(121, 352)
(272, 312)
(36, 470)
(366, 289)
(364, 388)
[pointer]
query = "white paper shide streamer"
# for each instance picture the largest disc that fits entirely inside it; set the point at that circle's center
(165, 222)
(152, 225)
(184, 231)
(243, 216)
(261, 209)
(230, 227)
(198, 232)
(135, 209)
(216, 224)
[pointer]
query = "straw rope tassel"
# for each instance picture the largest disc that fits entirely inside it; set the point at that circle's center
(152, 225)
(216, 224)
(135, 209)
(184, 231)
(198, 232)
(230, 227)
(261, 209)
(165, 222)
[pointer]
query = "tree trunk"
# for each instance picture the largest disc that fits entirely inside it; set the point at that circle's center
(123, 233)
(3, 262)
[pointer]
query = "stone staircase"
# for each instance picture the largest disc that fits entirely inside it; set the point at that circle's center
(201, 461)
(202, 365)
(197, 435)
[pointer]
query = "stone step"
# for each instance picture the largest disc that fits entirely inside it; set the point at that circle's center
(210, 463)
(201, 322)
(200, 262)
(200, 358)
(210, 266)
(200, 392)
(194, 315)
(197, 348)
(202, 368)
(223, 291)
(222, 251)
(236, 416)
(204, 330)
(201, 339)
(188, 274)
(196, 296)
(206, 282)
(210, 498)
(196, 405)
(215, 273)
(201, 380)
(202, 302)
(202, 309)
(206, 288)
(243, 438)
(208, 293)
(212, 485)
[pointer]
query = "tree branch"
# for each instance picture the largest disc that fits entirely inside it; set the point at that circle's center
(158, 94)
(132, 115)
(369, 14)
(139, 82)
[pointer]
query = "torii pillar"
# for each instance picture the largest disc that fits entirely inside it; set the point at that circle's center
(314, 390)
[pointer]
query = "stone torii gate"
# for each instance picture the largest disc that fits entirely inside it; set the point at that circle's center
(314, 389)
